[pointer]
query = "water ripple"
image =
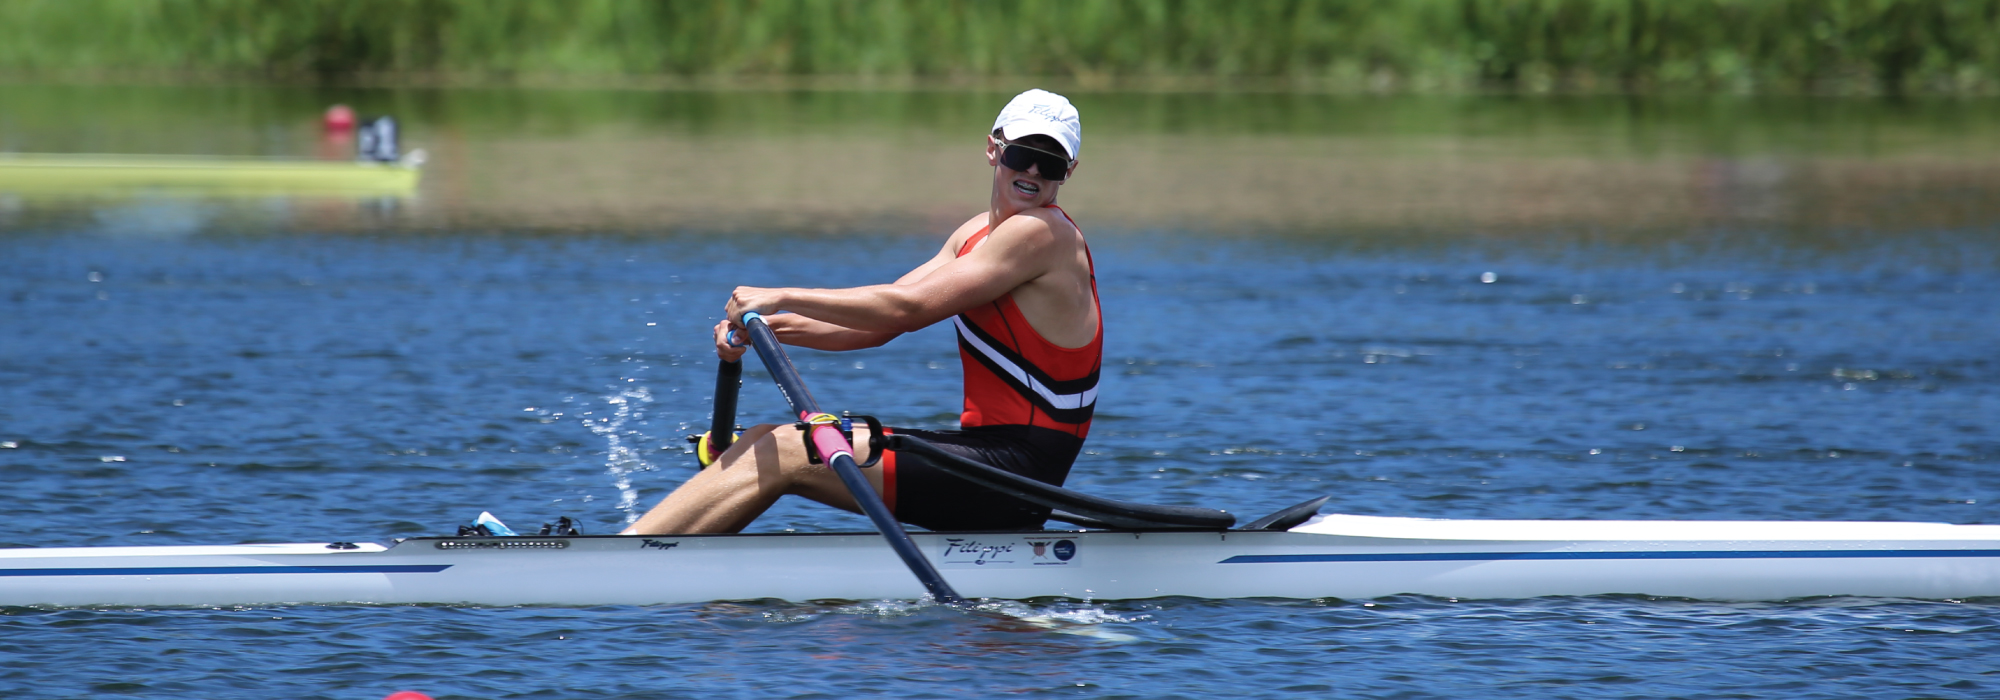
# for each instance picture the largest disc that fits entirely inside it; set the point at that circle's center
(420, 380)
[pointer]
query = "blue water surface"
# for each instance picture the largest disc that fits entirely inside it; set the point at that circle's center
(207, 383)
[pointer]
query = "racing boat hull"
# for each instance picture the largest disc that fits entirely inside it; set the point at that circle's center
(1334, 556)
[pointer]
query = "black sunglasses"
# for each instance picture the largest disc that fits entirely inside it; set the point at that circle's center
(1054, 166)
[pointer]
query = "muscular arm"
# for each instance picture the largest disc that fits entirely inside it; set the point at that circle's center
(1021, 250)
(806, 332)
(795, 329)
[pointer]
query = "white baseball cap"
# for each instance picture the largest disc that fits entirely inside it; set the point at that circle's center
(1042, 112)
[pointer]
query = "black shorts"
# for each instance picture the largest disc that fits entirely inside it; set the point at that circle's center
(924, 495)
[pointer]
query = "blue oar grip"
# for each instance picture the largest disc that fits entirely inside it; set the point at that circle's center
(748, 316)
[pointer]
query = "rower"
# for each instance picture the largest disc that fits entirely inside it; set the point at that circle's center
(1017, 283)
(377, 142)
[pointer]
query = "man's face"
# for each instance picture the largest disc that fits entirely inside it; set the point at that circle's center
(1021, 190)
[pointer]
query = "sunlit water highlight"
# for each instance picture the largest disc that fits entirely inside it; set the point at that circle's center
(622, 458)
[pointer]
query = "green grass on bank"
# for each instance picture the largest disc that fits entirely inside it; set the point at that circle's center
(1781, 46)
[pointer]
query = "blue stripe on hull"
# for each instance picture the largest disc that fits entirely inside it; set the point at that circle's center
(219, 570)
(1611, 556)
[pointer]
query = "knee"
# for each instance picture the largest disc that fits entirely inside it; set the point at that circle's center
(777, 447)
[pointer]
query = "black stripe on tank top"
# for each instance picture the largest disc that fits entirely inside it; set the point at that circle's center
(1077, 415)
(1060, 386)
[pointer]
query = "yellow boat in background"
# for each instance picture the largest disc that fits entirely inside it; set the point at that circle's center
(87, 174)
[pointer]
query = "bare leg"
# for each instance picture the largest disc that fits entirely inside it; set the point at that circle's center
(769, 461)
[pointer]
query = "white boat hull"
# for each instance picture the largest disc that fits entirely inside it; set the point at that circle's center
(1352, 557)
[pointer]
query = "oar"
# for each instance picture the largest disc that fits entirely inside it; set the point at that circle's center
(722, 427)
(834, 448)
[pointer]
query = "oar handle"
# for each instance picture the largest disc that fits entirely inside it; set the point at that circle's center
(722, 426)
(834, 448)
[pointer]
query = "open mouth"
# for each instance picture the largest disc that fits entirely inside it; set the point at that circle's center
(1027, 188)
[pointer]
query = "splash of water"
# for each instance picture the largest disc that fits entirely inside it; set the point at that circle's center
(621, 456)
(1079, 618)
(1082, 619)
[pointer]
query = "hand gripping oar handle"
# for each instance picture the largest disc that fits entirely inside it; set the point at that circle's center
(837, 452)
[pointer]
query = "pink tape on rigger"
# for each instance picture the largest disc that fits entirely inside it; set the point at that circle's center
(830, 442)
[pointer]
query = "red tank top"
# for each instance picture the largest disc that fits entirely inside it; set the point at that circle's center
(1014, 376)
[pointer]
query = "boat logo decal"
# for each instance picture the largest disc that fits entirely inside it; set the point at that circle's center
(957, 550)
(1004, 551)
(1065, 550)
(650, 543)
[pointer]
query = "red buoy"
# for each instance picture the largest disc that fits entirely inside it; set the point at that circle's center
(340, 120)
(407, 695)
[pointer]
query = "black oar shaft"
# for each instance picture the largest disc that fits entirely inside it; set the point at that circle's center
(802, 403)
(722, 426)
